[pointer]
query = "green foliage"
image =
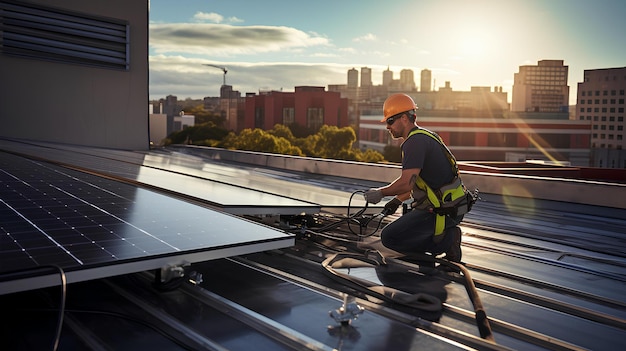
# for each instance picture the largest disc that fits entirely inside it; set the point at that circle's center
(260, 140)
(203, 116)
(281, 130)
(309, 144)
(335, 142)
(203, 134)
(329, 142)
(392, 153)
(369, 155)
(300, 131)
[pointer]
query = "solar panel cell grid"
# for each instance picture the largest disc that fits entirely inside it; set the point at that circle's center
(55, 216)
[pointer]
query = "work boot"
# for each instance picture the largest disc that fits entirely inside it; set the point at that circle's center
(453, 254)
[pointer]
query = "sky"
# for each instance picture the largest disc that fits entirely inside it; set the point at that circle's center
(281, 44)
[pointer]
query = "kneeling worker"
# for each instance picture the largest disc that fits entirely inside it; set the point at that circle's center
(430, 177)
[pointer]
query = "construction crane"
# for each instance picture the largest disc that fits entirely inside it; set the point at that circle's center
(222, 68)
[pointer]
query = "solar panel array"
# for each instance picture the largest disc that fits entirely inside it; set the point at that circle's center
(233, 191)
(51, 215)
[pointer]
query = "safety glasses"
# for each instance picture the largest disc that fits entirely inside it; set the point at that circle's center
(393, 118)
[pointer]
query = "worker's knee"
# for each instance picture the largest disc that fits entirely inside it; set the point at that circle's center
(387, 239)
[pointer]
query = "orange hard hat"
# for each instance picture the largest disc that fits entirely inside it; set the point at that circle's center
(397, 103)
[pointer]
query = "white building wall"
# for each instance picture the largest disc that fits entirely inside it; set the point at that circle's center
(158, 128)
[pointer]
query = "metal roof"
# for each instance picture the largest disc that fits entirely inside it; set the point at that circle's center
(544, 262)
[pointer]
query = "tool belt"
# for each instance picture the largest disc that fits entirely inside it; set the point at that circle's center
(450, 200)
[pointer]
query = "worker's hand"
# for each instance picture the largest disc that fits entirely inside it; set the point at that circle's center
(392, 206)
(374, 195)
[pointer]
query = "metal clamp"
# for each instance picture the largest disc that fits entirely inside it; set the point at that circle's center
(348, 312)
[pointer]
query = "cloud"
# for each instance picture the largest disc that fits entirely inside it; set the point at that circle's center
(234, 20)
(366, 37)
(211, 17)
(324, 55)
(225, 40)
(214, 18)
(350, 51)
(188, 77)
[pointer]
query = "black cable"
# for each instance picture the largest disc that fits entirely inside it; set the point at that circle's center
(39, 271)
(357, 218)
(57, 338)
(360, 212)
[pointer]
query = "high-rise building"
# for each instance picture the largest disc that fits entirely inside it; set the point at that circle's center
(366, 76)
(231, 107)
(425, 80)
(365, 90)
(353, 84)
(541, 88)
(600, 100)
(387, 77)
(171, 108)
(407, 80)
(353, 78)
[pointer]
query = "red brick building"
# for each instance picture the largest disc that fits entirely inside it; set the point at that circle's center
(308, 106)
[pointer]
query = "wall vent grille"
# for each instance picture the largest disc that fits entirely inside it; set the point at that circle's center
(32, 31)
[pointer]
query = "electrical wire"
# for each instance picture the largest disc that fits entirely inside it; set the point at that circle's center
(57, 338)
(366, 220)
(357, 218)
(42, 270)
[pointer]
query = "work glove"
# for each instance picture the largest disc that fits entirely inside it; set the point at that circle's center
(391, 207)
(373, 195)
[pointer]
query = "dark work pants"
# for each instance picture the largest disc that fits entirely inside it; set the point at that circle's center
(413, 233)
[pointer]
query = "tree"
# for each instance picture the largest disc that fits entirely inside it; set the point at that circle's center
(309, 144)
(300, 131)
(204, 116)
(335, 141)
(369, 156)
(281, 130)
(330, 142)
(259, 140)
(204, 134)
(392, 153)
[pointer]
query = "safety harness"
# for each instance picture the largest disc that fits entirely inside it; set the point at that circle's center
(451, 199)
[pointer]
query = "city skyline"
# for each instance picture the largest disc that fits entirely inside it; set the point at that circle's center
(286, 44)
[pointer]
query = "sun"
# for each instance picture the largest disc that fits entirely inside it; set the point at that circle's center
(473, 44)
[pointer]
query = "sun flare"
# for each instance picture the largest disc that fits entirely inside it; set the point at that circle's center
(473, 44)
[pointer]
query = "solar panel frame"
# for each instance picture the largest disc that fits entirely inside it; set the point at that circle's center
(93, 227)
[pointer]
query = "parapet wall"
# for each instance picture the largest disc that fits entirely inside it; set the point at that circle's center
(574, 191)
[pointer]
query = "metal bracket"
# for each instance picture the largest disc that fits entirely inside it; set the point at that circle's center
(348, 312)
(172, 276)
(171, 272)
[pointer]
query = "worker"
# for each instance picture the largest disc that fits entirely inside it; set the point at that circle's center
(429, 184)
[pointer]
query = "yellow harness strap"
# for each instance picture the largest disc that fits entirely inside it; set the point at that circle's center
(440, 220)
(449, 192)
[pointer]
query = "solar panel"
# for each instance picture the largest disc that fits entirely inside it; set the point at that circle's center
(94, 227)
(234, 194)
